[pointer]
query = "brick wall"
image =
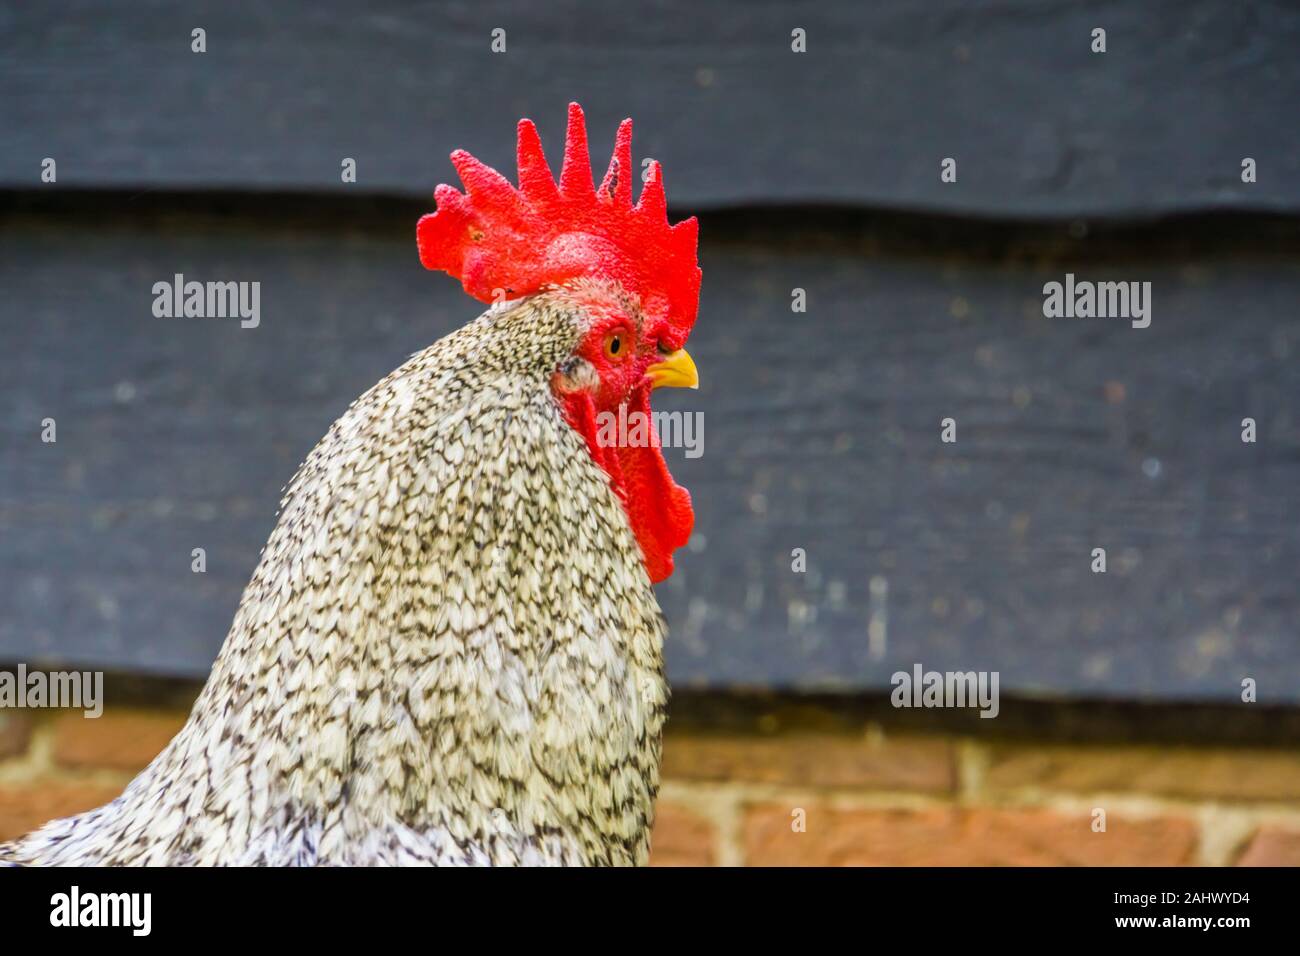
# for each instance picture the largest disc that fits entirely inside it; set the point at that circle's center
(736, 790)
(949, 801)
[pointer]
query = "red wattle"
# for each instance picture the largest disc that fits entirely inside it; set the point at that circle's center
(658, 509)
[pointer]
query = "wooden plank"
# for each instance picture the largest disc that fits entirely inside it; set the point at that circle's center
(1038, 123)
(822, 433)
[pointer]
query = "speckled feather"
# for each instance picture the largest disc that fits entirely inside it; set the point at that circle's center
(450, 651)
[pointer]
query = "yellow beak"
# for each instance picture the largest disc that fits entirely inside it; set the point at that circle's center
(676, 371)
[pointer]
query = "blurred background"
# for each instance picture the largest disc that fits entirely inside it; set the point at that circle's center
(854, 298)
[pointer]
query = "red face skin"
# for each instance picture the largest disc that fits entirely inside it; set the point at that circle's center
(658, 509)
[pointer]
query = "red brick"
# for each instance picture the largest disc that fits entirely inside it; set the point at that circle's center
(952, 836)
(680, 838)
(814, 760)
(1240, 774)
(23, 809)
(1273, 846)
(15, 733)
(122, 740)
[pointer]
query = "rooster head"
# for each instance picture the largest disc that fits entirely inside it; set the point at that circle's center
(633, 278)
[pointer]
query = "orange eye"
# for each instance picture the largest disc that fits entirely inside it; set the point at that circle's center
(615, 345)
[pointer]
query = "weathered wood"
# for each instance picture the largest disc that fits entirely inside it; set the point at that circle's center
(1038, 123)
(822, 433)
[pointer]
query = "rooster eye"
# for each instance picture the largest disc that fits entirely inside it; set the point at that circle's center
(614, 345)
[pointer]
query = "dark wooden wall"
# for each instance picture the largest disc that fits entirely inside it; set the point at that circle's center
(821, 429)
(1039, 125)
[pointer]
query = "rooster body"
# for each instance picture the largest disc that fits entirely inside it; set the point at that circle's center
(450, 651)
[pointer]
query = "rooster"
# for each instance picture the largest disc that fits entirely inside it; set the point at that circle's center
(450, 651)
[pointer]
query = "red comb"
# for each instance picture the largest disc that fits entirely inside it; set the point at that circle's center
(494, 236)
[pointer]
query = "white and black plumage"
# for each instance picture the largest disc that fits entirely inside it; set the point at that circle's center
(450, 651)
